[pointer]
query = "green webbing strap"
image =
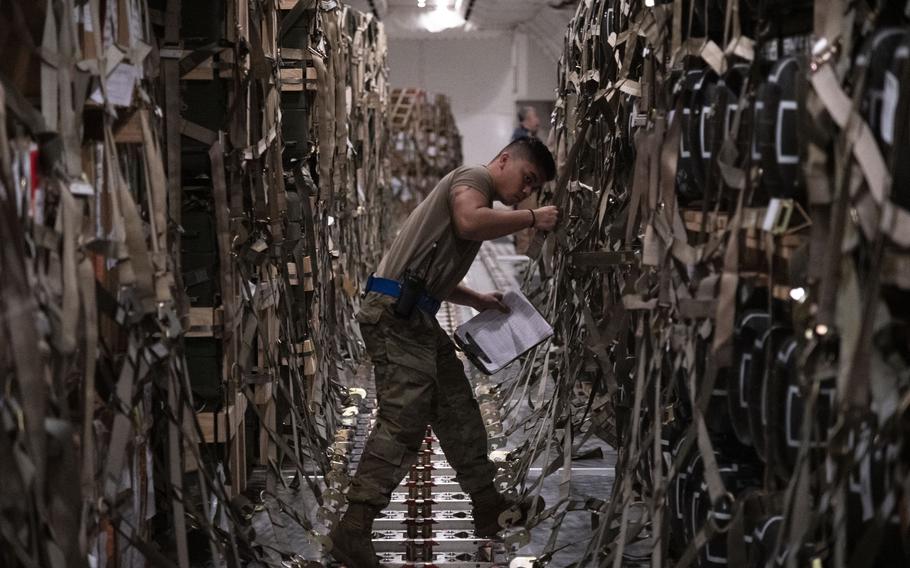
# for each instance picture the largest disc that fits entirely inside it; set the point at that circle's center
(633, 451)
(562, 182)
(21, 315)
(702, 537)
(175, 447)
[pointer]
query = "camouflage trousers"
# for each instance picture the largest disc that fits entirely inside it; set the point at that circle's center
(419, 381)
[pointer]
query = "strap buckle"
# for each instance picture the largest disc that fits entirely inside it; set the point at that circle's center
(823, 52)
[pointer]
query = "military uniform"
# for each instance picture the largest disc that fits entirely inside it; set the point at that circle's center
(419, 378)
(419, 381)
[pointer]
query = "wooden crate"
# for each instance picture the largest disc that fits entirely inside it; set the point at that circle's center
(212, 422)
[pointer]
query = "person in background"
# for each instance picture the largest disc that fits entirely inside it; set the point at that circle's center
(528, 123)
(419, 378)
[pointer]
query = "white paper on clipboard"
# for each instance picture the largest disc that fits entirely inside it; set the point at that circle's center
(493, 339)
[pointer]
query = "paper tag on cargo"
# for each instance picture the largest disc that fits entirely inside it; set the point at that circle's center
(82, 188)
(120, 84)
(771, 215)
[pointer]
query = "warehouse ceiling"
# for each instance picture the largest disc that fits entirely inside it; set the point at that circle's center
(542, 20)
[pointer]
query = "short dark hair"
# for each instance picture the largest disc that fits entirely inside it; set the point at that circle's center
(524, 111)
(533, 150)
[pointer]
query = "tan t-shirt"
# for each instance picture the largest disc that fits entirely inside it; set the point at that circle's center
(431, 222)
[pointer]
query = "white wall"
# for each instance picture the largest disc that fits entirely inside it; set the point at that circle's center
(482, 76)
(541, 76)
(535, 72)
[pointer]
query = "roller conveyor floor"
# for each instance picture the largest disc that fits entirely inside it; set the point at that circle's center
(453, 543)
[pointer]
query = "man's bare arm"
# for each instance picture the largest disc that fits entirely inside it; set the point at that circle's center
(475, 220)
(465, 296)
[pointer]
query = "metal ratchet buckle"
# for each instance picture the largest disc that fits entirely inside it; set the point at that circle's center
(721, 514)
(822, 53)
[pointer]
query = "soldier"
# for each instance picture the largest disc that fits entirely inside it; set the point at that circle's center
(419, 378)
(528, 123)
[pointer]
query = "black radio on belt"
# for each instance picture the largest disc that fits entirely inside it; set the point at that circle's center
(413, 287)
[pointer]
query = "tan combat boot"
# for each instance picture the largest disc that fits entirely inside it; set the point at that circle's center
(352, 537)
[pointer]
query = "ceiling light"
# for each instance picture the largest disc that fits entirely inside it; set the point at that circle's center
(441, 18)
(421, 3)
(798, 294)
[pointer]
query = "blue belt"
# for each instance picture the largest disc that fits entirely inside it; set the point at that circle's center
(392, 288)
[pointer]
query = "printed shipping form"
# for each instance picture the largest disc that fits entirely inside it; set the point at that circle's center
(493, 339)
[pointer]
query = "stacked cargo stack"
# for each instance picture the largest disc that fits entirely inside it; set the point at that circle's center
(426, 144)
(94, 307)
(166, 297)
(730, 270)
(199, 91)
(337, 170)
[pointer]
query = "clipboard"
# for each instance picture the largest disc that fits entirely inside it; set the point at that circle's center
(492, 339)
